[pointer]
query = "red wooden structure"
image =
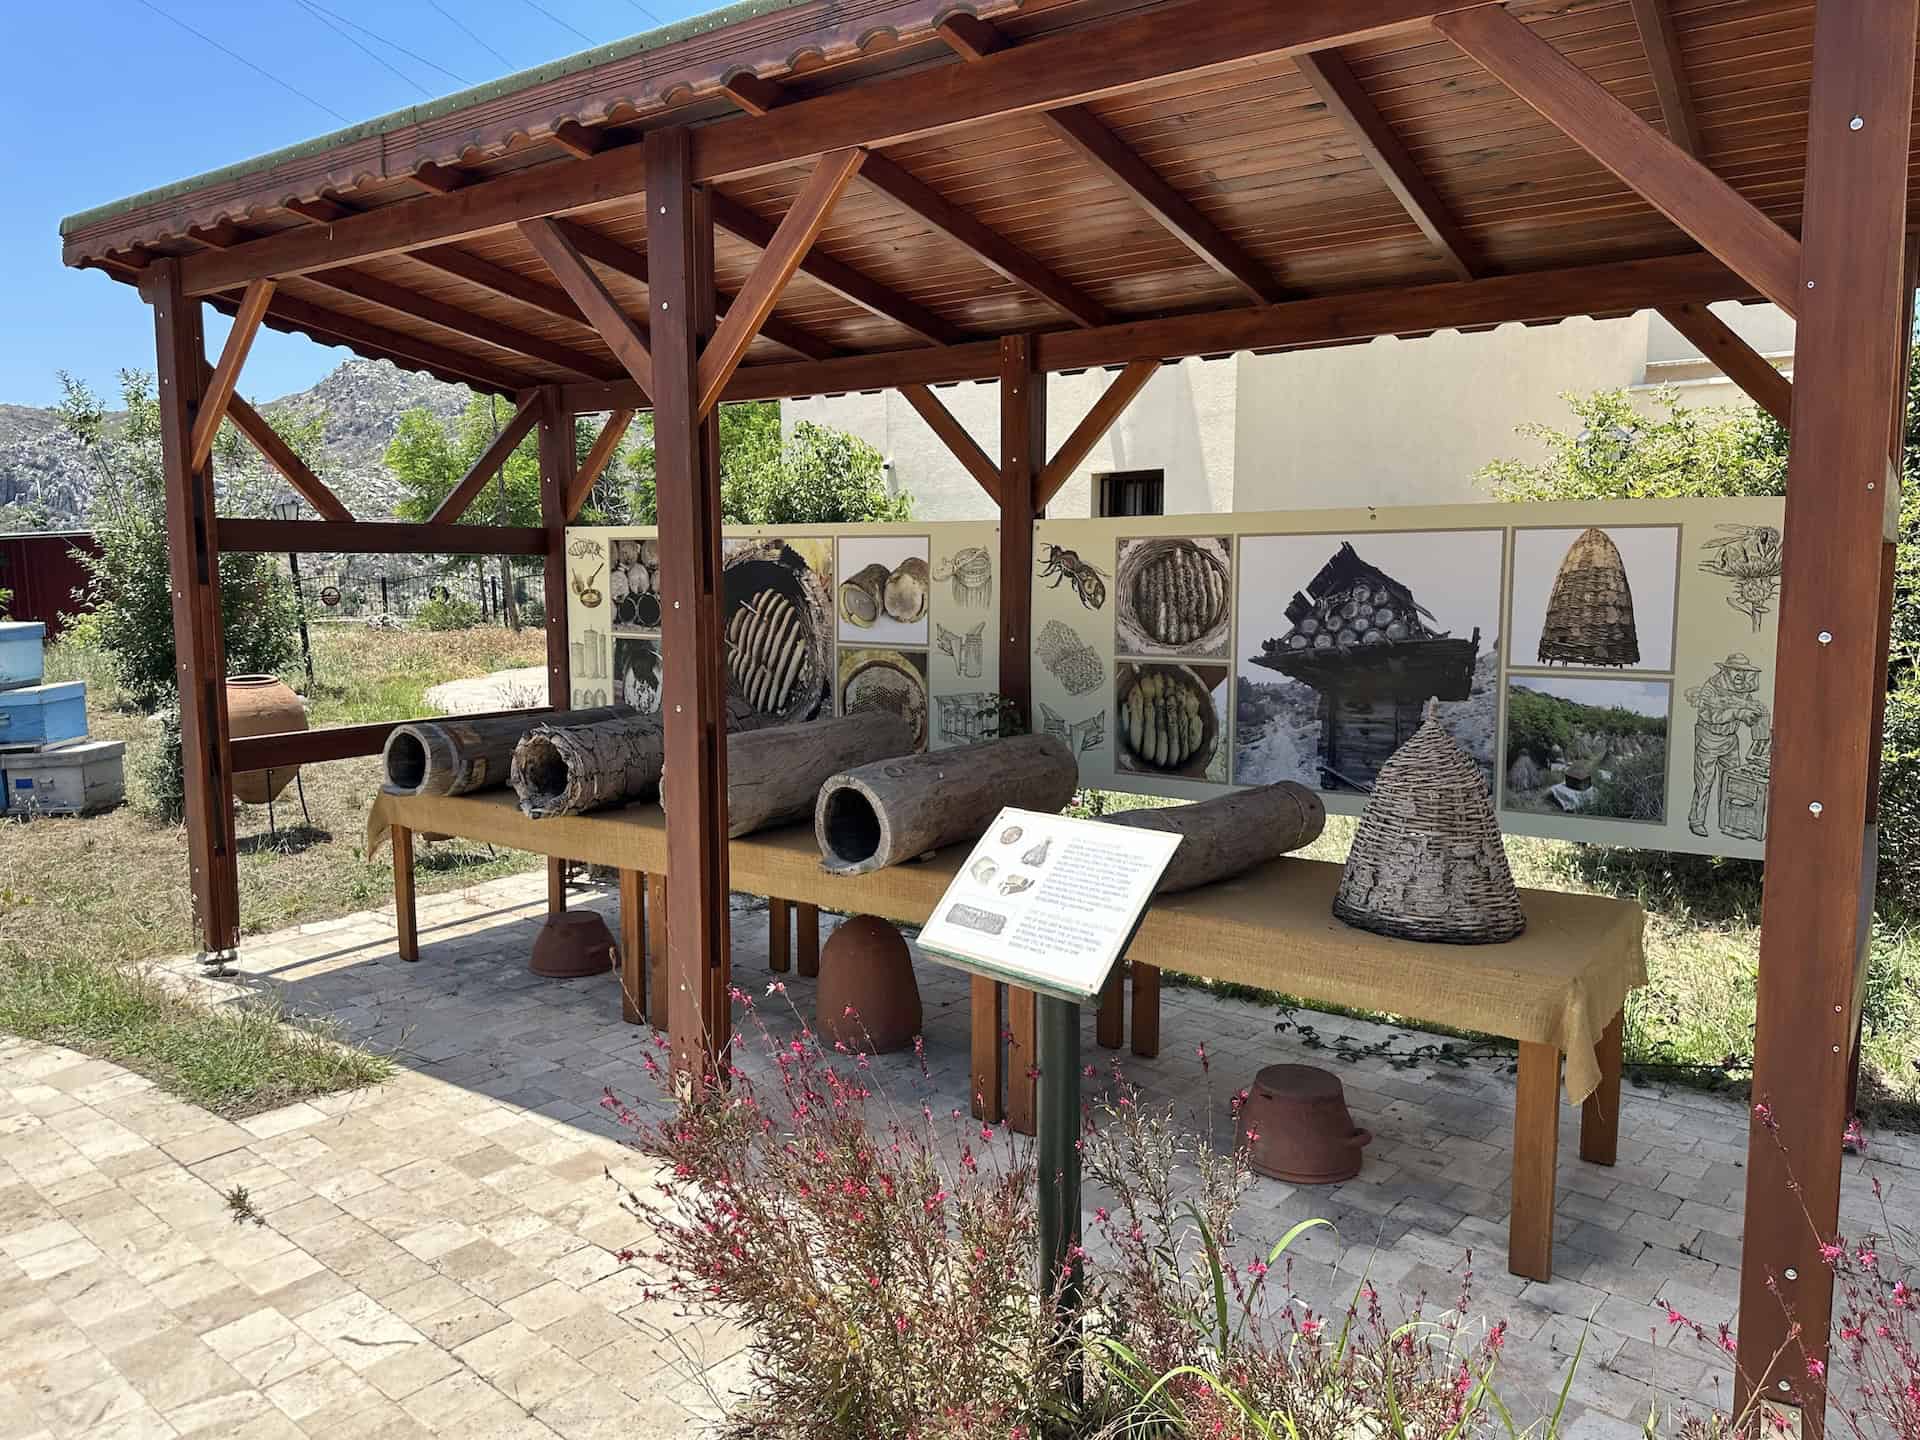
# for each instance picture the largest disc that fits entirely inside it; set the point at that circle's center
(44, 569)
(818, 197)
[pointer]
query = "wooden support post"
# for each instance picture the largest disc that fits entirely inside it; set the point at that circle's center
(406, 913)
(556, 480)
(200, 649)
(779, 936)
(1829, 682)
(633, 946)
(1023, 1059)
(556, 885)
(985, 1018)
(657, 951)
(226, 375)
(1536, 1153)
(806, 922)
(1736, 359)
(1600, 1115)
(680, 254)
(1111, 1029)
(1146, 1010)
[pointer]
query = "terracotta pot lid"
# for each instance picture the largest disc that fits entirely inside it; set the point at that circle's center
(573, 944)
(1300, 1126)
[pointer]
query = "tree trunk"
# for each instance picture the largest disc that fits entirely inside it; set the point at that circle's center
(904, 597)
(862, 595)
(1232, 833)
(565, 768)
(881, 814)
(774, 775)
(455, 756)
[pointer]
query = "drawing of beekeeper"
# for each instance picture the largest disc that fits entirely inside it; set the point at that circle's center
(1721, 706)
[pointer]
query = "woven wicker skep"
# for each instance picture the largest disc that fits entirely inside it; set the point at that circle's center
(1590, 614)
(1426, 862)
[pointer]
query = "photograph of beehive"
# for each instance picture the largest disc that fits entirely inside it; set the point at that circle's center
(1369, 638)
(1171, 720)
(1595, 598)
(777, 619)
(883, 593)
(890, 680)
(1172, 597)
(633, 583)
(1590, 613)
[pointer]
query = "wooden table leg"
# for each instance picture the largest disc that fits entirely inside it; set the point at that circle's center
(556, 886)
(633, 946)
(657, 951)
(1111, 1029)
(986, 1050)
(806, 920)
(1146, 1010)
(1600, 1116)
(1536, 1149)
(1023, 1056)
(779, 936)
(405, 915)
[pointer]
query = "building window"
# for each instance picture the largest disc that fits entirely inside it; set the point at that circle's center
(1131, 492)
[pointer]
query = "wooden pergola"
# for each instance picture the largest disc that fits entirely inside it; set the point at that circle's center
(794, 197)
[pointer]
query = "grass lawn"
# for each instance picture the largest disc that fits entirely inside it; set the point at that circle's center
(83, 902)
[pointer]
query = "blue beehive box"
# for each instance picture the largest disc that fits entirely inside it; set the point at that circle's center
(43, 714)
(23, 646)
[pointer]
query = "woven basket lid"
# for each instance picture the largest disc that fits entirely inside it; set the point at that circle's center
(1590, 613)
(1427, 863)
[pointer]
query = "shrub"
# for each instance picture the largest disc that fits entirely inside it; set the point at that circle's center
(446, 612)
(158, 790)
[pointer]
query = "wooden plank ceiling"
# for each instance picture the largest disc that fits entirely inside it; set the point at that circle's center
(1394, 161)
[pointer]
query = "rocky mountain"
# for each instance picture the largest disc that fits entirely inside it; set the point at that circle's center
(43, 471)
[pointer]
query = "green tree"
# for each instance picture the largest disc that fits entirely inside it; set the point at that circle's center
(128, 582)
(429, 457)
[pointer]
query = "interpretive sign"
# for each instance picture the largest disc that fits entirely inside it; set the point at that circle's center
(1048, 902)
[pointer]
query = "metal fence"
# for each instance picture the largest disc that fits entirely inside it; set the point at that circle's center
(360, 594)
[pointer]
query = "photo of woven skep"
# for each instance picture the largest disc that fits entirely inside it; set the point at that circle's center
(1426, 862)
(1590, 613)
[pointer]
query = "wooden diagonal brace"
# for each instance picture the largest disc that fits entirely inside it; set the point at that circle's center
(226, 375)
(280, 455)
(598, 458)
(621, 332)
(475, 480)
(1088, 433)
(1716, 215)
(832, 173)
(1738, 361)
(954, 435)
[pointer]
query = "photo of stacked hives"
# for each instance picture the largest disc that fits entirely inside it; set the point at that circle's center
(1173, 597)
(778, 626)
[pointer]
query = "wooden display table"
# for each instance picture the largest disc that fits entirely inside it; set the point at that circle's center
(1558, 990)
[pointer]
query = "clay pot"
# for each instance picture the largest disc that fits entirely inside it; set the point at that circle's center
(571, 945)
(1302, 1129)
(865, 965)
(262, 705)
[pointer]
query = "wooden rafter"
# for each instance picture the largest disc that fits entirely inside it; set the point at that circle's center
(440, 179)
(322, 209)
(1107, 410)
(1084, 63)
(753, 94)
(280, 455)
(462, 321)
(510, 284)
(845, 281)
(1662, 44)
(578, 140)
(795, 236)
(1347, 100)
(408, 351)
(989, 247)
(226, 375)
(605, 446)
(1737, 360)
(972, 38)
(622, 334)
(954, 436)
(1716, 215)
(449, 510)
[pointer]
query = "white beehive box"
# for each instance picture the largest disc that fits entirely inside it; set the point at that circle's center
(73, 780)
(23, 645)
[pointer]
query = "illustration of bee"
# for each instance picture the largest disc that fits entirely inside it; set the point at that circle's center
(1088, 580)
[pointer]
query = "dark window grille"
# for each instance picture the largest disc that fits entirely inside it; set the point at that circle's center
(1132, 492)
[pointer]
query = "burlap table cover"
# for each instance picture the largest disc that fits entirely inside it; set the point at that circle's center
(1558, 984)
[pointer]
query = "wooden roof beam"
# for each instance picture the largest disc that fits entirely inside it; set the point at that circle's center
(1736, 359)
(1654, 19)
(974, 39)
(1347, 101)
(1717, 216)
(578, 140)
(990, 248)
(1106, 412)
(226, 374)
(624, 335)
(483, 470)
(407, 351)
(440, 179)
(280, 455)
(1081, 64)
(459, 321)
(954, 436)
(753, 94)
(509, 284)
(778, 262)
(605, 445)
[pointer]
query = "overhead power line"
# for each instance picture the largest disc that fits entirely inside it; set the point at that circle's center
(390, 44)
(536, 5)
(464, 29)
(315, 13)
(259, 70)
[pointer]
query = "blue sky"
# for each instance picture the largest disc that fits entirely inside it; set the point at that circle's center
(111, 98)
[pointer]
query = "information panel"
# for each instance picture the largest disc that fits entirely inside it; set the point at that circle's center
(1049, 902)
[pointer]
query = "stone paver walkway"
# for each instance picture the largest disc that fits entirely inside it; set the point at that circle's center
(439, 1255)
